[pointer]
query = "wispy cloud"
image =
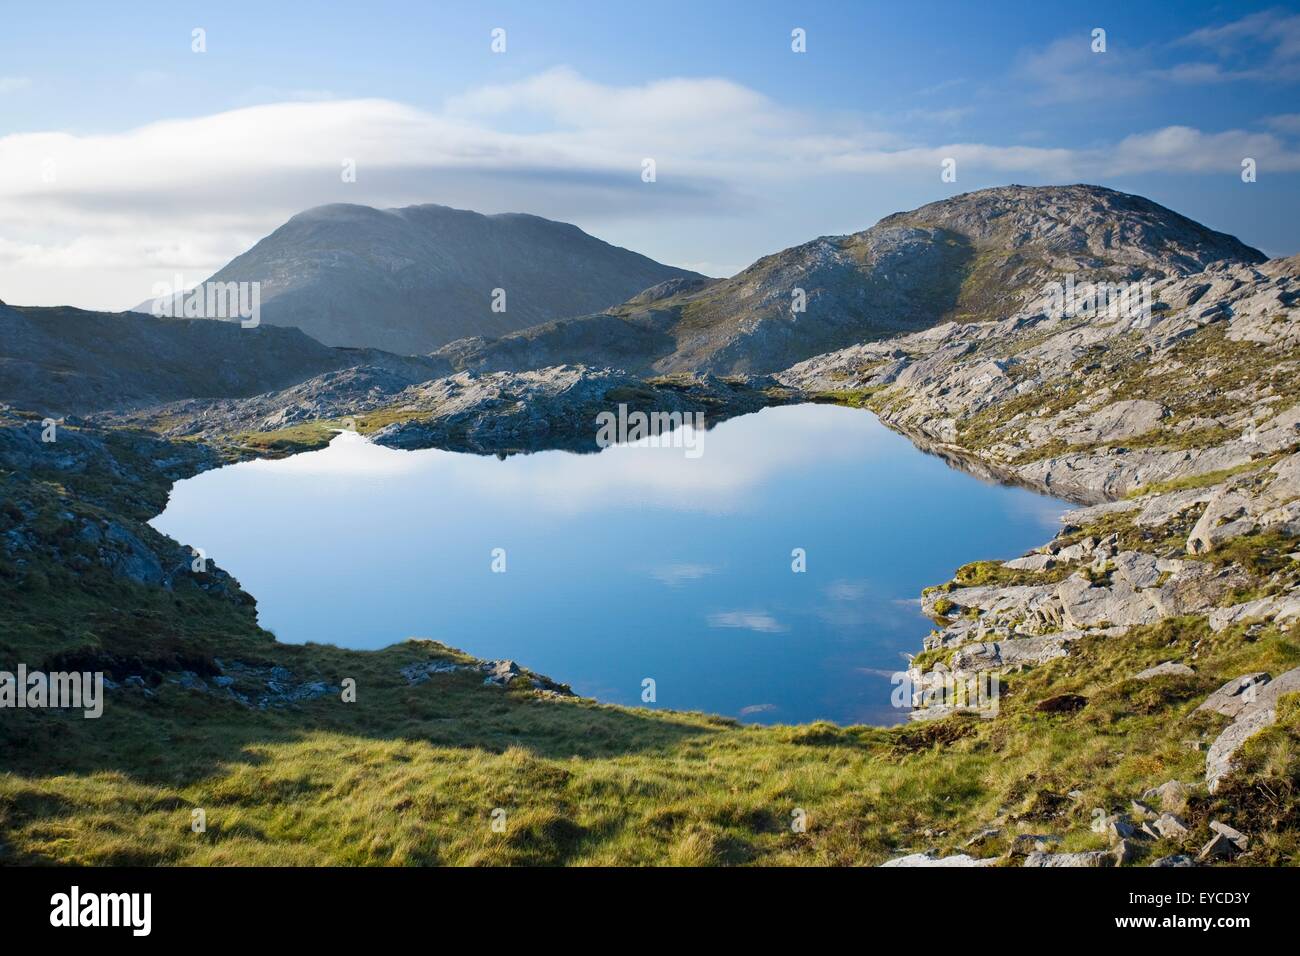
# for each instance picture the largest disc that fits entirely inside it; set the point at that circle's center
(1261, 47)
(1288, 123)
(760, 621)
(11, 84)
(675, 575)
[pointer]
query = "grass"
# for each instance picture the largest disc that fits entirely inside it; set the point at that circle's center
(311, 436)
(850, 398)
(1204, 479)
(413, 774)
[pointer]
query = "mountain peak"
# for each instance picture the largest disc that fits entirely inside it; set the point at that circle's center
(975, 256)
(413, 278)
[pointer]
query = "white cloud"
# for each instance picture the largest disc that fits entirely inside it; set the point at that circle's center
(12, 84)
(97, 219)
(1183, 149)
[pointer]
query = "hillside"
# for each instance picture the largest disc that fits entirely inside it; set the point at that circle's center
(972, 257)
(1147, 655)
(64, 360)
(412, 279)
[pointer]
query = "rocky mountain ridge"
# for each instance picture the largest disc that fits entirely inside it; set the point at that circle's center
(973, 257)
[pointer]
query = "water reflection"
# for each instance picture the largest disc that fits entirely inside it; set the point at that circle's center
(635, 562)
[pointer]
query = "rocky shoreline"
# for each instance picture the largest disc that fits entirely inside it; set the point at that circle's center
(1181, 432)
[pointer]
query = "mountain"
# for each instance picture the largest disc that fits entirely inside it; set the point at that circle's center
(61, 360)
(409, 280)
(973, 257)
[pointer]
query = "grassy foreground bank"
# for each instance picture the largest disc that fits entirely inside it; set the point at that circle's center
(412, 773)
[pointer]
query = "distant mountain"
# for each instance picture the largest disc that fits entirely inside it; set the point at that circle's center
(65, 360)
(409, 280)
(976, 256)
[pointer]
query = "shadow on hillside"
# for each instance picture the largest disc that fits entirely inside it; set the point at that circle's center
(183, 749)
(179, 737)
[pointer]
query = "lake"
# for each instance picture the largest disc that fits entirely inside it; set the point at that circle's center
(666, 563)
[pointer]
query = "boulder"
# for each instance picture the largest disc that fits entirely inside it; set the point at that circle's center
(1170, 827)
(1090, 858)
(1141, 811)
(930, 859)
(1250, 720)
(1027, 843)
(1236, 837)
(1167, 669)
(1171, 795)
(1226, 516)
(1086, 605)
(1234, 696)
(1219, 848)
(1031, 562)
(1140, 570)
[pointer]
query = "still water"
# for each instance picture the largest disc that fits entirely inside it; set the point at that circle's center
(637, 562)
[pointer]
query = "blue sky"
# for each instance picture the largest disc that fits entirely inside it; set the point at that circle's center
(128, 157)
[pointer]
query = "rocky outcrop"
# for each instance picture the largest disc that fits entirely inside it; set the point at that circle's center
(487, 413)
(495, 674)
(1181, 439)
(973, 257)
(1040, 397)
(1252, 702)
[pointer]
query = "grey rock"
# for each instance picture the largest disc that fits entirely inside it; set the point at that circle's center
(1234, 696)
(1138, 569)
(1171, 796)
(1238, 839)
(983, 836)
(1226, 516)
(499, 673)
(1219, 848)
(1026, 843)
(1280, 609)
(1170, 827)
(1141, 811)
(1167, 669)
(1091, 858)
(1118, 827)
(1251, 719)
(1123, 852)
(1032, 562)
(930, 859)
(1115, 421)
